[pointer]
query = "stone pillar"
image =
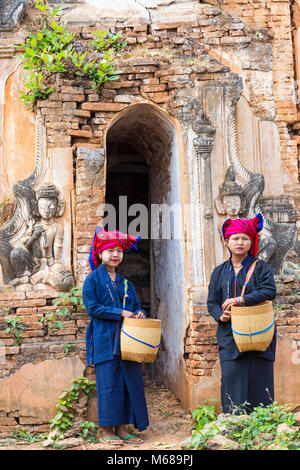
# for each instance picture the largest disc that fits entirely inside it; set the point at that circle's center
(203, 145)
(89, 196)
(60, 173)
(7, 66)
(200, 141)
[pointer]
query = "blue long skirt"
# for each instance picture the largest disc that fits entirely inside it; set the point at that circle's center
(247, 379)
(120, 394)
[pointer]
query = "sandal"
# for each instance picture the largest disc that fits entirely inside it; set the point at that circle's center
(115, 438)
(126, 439)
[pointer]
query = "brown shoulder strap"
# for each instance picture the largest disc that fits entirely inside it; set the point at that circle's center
(248, 276)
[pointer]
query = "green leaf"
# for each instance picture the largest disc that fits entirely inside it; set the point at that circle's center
(30, 52)
(55, 11)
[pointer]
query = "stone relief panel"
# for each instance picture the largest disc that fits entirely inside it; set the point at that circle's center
(200, 141)
(35, 256)
(244, 199)
(31, 241)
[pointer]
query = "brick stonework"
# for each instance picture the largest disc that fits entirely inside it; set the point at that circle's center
(163, 64)
(278, 19)
(39, 343)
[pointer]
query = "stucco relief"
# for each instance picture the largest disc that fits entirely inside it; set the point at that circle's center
(200, 141)
(31, 241)
(279, 233)
(35, 257)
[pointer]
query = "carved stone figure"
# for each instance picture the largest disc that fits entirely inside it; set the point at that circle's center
(278, 236)
(228, 203)
(281, 217)
(279, 232)
(10, 13)
(235, 201)
(35, 256)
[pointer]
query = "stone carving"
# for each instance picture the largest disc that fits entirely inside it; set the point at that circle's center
(31, 241)
(235, 201)
(279, 234)
(35, 256)
(280, 217)
(201, 136)
(10, 13)
(229, 201)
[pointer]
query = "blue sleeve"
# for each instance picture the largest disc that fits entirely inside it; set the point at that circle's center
(214, 301)
(136, 303)
(94, 309)
(267, 286)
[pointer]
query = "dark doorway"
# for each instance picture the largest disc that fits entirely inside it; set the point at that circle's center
(127, 180)
(143, 166)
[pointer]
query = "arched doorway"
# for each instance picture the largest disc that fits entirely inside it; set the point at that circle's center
(143, 185)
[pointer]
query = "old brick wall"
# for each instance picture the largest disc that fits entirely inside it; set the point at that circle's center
(275, 18)
(34, 373)
(164, 64)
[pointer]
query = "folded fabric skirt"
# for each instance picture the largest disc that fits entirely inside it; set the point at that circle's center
(120, 394)
(246, 379)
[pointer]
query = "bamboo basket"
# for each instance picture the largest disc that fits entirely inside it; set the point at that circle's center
(253, 327)
(140, 339)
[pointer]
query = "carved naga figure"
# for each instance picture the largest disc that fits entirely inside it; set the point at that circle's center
(35, 257)
(10, 13)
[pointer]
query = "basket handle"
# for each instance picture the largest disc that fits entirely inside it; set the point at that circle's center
(248, 276)
(139, 341)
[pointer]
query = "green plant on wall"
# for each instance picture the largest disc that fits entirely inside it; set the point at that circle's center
(52, 50)
(67, 348)
(55, 319)
(73, 300)
(63, 420)
(15, 326)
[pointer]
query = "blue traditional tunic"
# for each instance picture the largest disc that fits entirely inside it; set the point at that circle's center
(120, 390)
(246, 375)
(104, 304)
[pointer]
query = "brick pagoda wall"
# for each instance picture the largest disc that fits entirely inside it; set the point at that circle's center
(164, 63)
(40, 344)
(276, 18)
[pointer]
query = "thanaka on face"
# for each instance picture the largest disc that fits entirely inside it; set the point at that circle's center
(239, 244)
(111, 257)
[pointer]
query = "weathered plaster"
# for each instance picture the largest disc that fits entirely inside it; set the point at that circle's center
(33, 390)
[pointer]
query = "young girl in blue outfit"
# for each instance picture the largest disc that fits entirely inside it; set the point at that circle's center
(120, 389)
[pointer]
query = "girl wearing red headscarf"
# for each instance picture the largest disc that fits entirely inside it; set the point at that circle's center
(108, 298)
(247, 378)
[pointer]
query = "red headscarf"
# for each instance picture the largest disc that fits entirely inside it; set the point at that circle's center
(250, 227)
(104, 240)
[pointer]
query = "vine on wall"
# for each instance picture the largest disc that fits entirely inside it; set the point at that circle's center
(52, 49)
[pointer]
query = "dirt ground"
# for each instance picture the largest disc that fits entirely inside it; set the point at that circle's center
(169, 426)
